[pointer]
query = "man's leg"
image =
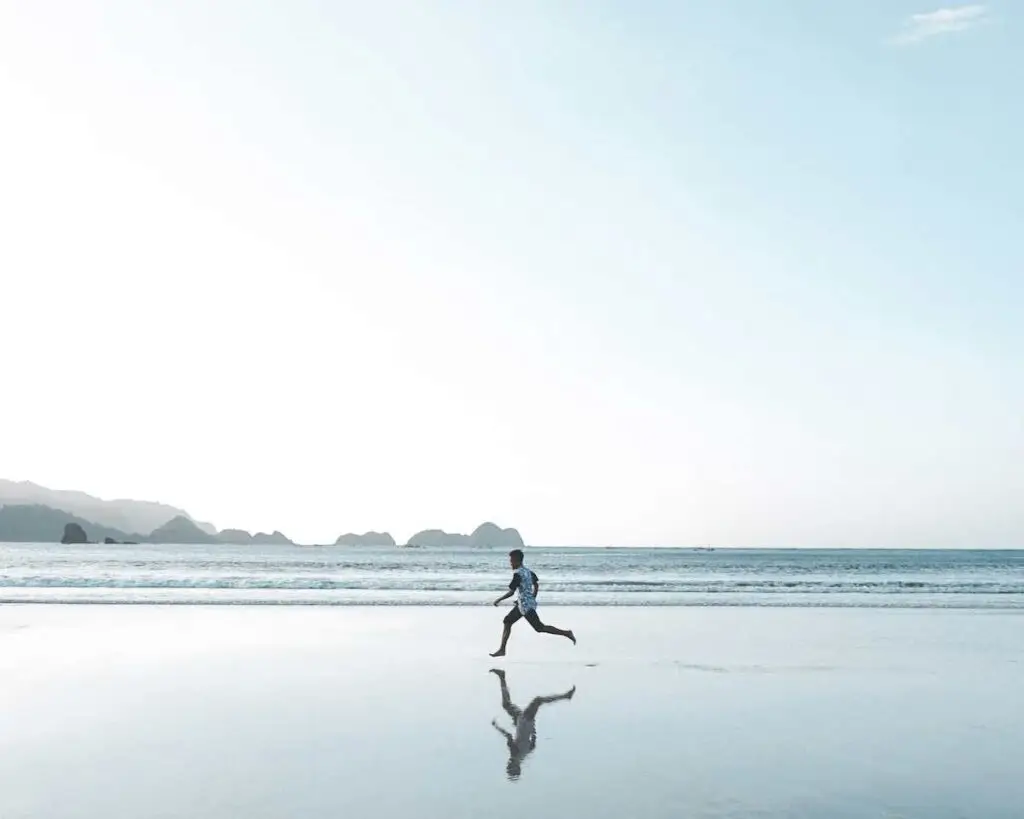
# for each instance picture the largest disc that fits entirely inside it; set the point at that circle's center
(506, 699)
(506, 632)
(537, 702)
(538, 626)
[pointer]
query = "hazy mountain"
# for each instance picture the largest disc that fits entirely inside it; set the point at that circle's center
(35, 523)
(485, 535)
(238, 537)
(180, 530)
(491, 535)
(23, 523)
(275, 538)
(368, 539)
(438, 537)
(126, 515)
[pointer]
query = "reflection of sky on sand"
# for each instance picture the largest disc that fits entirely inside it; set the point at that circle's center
(140, 711)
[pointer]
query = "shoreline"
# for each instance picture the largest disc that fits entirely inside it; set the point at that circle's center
(1011, 608)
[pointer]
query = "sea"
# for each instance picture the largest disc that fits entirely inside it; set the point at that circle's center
(331, 575)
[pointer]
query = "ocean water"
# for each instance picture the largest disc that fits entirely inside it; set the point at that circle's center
(48, 573)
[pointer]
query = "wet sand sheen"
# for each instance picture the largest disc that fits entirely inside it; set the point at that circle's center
(173, 712)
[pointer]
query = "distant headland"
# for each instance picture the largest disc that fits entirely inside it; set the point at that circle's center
(30, 513)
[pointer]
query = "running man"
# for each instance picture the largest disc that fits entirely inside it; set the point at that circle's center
(525, 585)
(524, 722)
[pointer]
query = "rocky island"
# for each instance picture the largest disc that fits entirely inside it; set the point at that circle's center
(74, 533)
(486, 535)
(367, 539)
(179, 529)
(240, 537)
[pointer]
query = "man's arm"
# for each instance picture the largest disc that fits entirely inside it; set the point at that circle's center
(509, 593)
(508, 737)
(536, 584)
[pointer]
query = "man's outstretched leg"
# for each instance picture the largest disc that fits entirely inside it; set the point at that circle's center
(532, 709)
(560, 633)
(506, 699)
(506, 632)
(538, 626)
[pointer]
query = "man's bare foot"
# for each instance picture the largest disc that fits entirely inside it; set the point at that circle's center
(501, 652)
(498, 672)
(572, 637)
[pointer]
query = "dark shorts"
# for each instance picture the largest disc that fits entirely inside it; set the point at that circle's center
(531, 618)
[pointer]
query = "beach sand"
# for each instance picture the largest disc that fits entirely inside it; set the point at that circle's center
(148, 711)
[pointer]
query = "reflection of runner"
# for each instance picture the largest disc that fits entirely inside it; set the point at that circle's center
(524, 740)
(525, 585)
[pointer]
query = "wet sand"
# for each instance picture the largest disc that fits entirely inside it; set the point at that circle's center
(131, 711)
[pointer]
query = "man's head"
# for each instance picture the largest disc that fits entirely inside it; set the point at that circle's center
(515, 557)
(514, 768)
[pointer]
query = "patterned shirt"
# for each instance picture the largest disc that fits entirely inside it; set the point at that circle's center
(522, 584)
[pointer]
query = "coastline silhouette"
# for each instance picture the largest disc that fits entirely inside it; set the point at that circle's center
(522, 740)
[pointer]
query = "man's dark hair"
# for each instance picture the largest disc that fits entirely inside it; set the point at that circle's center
(516, 555)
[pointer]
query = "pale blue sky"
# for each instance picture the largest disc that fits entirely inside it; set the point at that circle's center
(744, 273)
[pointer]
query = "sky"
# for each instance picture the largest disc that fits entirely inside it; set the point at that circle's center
(732, 273)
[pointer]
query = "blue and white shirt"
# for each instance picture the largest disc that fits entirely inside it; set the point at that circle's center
(522, 584)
